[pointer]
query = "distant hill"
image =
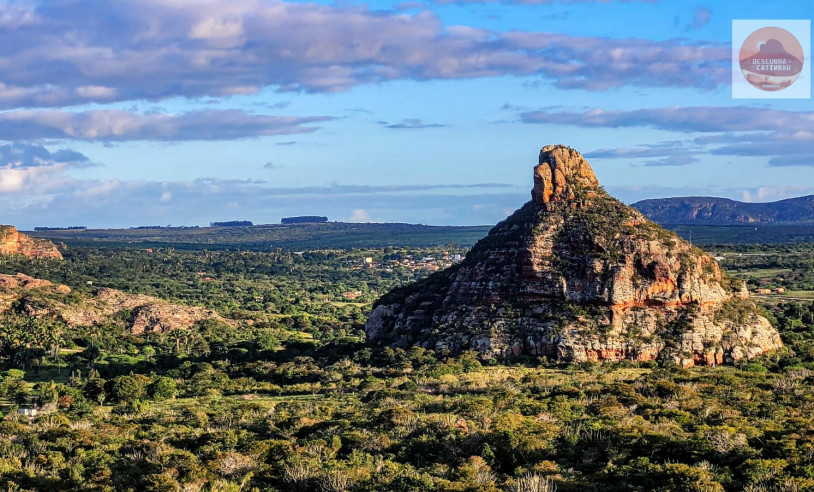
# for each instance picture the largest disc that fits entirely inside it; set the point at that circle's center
(698, 210)
(292, 237)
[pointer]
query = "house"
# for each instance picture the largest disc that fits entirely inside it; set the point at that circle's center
(28, 412)
(763, 291)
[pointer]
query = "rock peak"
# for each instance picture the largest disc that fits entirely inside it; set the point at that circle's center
(561, 174)
(577, 275)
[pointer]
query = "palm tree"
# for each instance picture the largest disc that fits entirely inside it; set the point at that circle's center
(94, 331)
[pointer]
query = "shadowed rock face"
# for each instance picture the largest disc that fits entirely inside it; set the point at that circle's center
(578, 276)
(13, 242)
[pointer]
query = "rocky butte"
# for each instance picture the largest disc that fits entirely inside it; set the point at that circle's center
(576, 275)
(13, 242)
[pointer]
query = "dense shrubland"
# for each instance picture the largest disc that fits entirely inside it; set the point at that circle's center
(290, 398)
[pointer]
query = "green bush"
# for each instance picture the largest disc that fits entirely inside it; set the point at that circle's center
(163, 388)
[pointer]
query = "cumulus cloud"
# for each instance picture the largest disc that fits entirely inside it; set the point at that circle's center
(359, 215)
(73, 52)
(14, 15)
(19, 155)
(673, 147)
(119, 125)
(687, 119)
(734, 131)
(33, 168)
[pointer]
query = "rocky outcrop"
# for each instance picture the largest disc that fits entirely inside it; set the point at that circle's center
(560, 174)
(578, 276)
(13, 286)
(143, 314)
(13, 242)
(24, 282)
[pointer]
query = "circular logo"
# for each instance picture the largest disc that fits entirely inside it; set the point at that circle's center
(771, 59)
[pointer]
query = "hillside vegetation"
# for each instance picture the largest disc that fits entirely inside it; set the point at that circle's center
(289, 397)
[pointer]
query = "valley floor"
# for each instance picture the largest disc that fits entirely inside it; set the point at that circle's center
(286, 396)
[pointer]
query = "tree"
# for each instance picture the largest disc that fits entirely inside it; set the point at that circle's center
(128, 388)
(148, 352)
(162, 388)
(47, 392)
(95, 390)
(91, 354)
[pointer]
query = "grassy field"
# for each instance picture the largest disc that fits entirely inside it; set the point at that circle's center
(800, 294)
(764, 272)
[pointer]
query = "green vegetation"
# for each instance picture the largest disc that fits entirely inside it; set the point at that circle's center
(288, 237)
(771, 266)
(802, 294)
(745, 235)
(288, 397)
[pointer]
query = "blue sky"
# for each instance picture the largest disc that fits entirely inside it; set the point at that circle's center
(182, 112)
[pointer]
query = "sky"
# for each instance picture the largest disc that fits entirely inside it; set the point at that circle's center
(184, 112)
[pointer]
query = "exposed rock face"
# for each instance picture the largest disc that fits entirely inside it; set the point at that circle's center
(22, 281)
(561, 172)
(12, 286)
(13, 242)
(577, 276)
(147, 314)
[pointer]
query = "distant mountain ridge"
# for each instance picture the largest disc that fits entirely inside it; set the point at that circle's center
(723, 211)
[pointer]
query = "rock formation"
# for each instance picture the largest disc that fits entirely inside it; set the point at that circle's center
(13, 242)
(578, 276)
(146, 314)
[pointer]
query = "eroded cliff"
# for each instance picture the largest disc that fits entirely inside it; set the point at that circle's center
(13, 242)
(578, 276)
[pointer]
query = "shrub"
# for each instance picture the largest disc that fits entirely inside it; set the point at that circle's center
(162, 388)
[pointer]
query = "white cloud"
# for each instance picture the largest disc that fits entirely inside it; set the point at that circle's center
(14, 15)
(359, 215)
(783, 135)
(75, 52)
(120, 125)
